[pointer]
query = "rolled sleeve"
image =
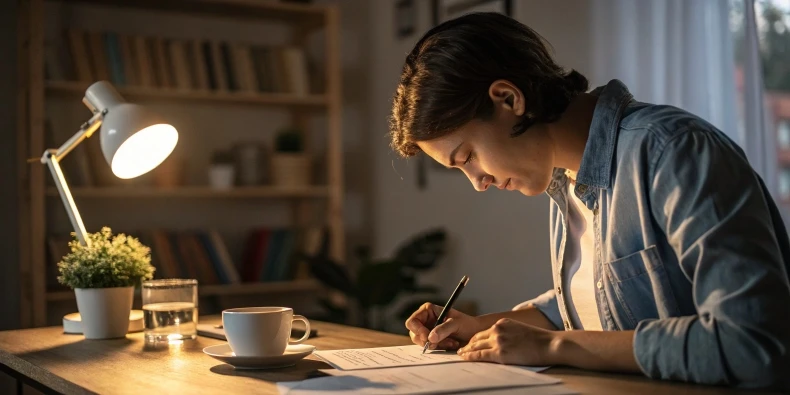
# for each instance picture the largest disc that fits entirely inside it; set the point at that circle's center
(546, 303)
(730, 242)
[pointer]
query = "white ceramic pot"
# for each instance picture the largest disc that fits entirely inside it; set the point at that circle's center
(104, 311)
(221, 176)
(290, 170)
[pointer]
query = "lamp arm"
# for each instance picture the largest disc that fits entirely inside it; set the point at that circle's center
(86, 130)
(52, 159)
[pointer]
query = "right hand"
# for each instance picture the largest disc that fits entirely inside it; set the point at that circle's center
(456, 330)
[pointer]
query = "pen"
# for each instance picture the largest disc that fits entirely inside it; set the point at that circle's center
(448, 306)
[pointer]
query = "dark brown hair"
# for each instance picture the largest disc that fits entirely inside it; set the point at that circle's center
(445, 79)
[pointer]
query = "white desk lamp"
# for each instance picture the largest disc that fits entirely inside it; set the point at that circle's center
(133, 139)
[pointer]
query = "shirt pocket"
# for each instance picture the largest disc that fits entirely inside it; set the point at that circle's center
(641, 287)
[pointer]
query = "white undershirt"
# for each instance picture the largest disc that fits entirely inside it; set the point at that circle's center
(578, 265)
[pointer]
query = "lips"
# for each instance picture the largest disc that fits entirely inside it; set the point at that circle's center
(505, 185)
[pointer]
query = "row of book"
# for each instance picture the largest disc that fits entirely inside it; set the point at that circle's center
(197, 254)
(266, 256)
(271, 254)
(183, 64)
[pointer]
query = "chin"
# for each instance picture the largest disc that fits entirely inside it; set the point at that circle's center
(530, 189)
(530, 193)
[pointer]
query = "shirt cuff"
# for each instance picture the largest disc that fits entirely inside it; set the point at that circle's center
(546, 303)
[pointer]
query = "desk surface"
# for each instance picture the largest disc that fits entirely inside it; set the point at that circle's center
(72, 365)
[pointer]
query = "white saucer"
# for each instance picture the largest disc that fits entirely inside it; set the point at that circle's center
(293, 354)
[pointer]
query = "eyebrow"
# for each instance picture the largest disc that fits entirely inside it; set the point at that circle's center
(452, 155)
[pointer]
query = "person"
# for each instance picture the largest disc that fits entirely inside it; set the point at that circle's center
(669, 256)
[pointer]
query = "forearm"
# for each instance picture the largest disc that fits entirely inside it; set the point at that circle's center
(530, 316)
(611, 351)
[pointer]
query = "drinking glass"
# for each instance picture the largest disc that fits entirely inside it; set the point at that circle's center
(170, 308)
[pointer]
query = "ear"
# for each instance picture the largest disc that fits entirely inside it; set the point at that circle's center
(506, 96)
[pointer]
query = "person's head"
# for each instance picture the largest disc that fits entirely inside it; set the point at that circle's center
(479, 93)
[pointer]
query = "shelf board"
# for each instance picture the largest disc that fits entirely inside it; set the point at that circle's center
(225, 289)
(194, 192)
(259, 288)
(307, 14)
(259, 98)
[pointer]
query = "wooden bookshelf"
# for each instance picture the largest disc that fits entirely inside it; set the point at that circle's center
(77, 89)
(319, 96)
(225, 289)
(195, 192)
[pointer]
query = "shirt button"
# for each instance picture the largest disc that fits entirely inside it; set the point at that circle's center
(595, 211)
(567, 325)
(559, 291)
(599, 285)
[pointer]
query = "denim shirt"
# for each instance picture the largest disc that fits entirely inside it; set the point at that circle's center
(690, 249)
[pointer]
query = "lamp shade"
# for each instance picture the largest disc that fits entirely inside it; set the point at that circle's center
(134, 139)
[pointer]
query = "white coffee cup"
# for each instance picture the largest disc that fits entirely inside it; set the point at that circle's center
(261, 331)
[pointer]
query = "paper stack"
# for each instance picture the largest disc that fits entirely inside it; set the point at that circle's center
(405, 370)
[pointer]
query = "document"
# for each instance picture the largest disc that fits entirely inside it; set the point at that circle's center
(434, 379)
(385, 357)
(389, 357)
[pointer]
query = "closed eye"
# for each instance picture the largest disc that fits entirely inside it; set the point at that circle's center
(469, 158)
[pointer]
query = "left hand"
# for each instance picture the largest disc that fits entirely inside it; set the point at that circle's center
(510, 342)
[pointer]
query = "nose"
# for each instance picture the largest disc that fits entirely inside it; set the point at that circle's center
(482, 183)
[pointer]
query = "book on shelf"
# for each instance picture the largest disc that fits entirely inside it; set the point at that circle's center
(202, 65)
(274, 254)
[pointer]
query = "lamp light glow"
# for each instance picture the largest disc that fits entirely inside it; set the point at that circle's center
(144, 150)
(134, 139)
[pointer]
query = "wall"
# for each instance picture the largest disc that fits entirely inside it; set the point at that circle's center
(9, 242)
(499, 239)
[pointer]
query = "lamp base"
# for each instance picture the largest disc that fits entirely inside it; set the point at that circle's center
(72, 323)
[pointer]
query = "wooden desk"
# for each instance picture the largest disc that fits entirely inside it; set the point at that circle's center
(54, 362)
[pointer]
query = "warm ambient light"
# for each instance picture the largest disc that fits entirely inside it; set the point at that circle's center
(144, 150)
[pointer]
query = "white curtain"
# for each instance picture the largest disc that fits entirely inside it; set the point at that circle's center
(676, 52)
(758, 136)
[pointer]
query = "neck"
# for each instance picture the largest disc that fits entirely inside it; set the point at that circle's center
(570, 132)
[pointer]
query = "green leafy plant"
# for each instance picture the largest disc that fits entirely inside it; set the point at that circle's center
(289, 140)
(108, 261)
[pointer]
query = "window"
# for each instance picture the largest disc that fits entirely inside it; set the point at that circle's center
(772, 19)
(783, 132)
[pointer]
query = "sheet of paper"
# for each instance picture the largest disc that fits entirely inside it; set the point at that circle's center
(388, 357)
(385, 357)
(433, 379)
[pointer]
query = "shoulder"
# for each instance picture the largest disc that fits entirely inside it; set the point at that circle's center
(653, 133)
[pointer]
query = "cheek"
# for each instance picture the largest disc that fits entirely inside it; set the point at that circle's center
(536, 174)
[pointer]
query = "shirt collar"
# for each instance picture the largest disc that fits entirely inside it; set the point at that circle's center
(598, 157)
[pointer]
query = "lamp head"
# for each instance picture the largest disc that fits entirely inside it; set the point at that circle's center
(134, 139)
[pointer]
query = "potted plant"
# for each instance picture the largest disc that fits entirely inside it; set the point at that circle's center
(290, 164)
(103, 275)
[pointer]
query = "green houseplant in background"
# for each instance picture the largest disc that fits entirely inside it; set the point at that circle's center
(103, 275)
(290, 163)
(375, 285)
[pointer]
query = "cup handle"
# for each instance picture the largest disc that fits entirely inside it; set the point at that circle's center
(298, 317)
